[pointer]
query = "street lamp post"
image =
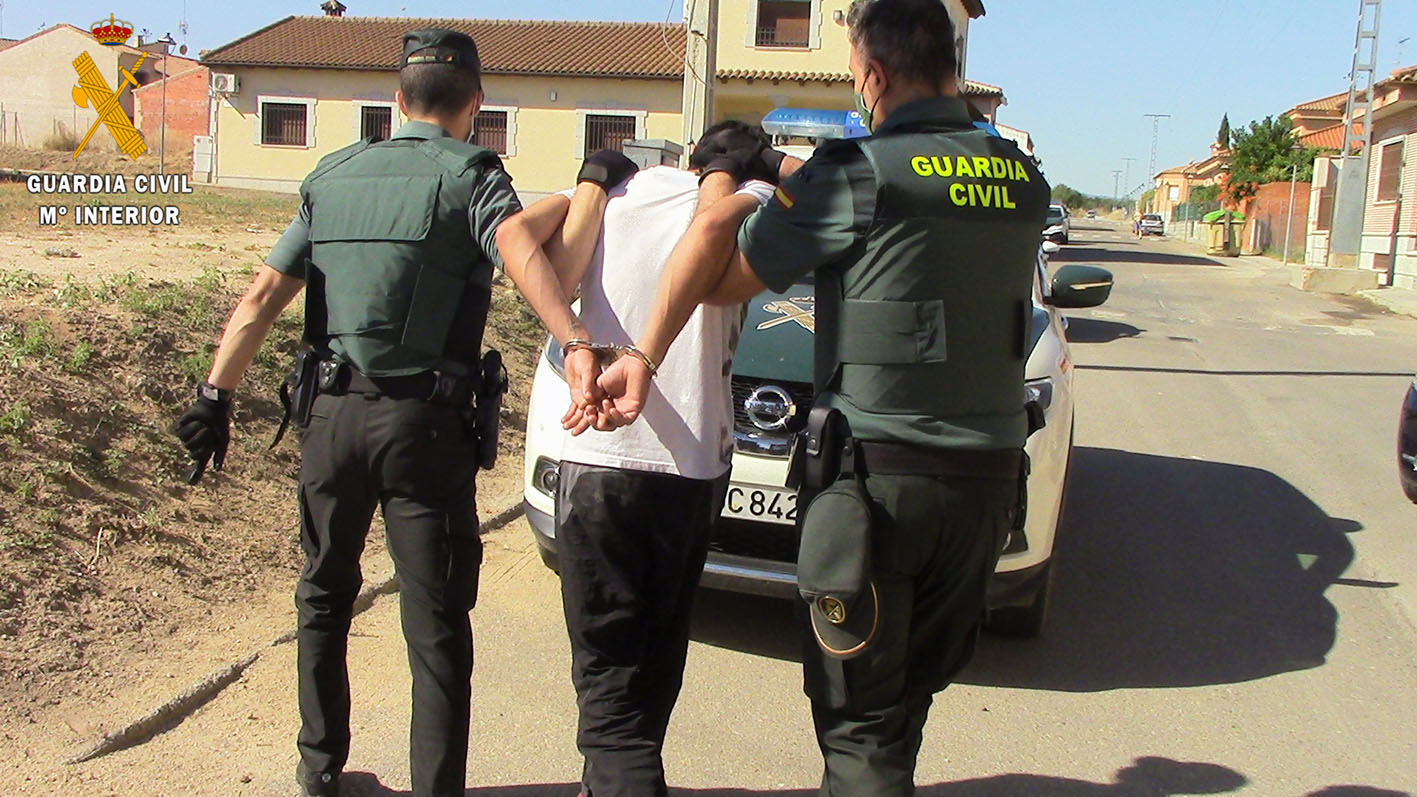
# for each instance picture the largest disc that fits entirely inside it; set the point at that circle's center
(167, 42)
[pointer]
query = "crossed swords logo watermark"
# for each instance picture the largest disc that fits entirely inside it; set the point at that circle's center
(93, 92)
(792, 310)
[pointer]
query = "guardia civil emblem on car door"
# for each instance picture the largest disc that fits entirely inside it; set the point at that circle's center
(798, 310)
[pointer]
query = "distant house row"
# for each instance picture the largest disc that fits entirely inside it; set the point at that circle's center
(1389, 240)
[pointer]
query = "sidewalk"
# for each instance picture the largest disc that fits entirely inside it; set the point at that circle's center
(1402, 301)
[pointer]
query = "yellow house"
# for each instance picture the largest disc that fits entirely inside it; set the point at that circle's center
(289, 93)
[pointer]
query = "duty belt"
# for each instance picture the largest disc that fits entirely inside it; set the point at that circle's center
(338, 378)
(892, 459)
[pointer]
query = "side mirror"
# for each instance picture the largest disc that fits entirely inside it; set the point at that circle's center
(1050, 248)
(1080, 286)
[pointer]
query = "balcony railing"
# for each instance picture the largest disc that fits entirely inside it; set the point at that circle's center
(773, 37)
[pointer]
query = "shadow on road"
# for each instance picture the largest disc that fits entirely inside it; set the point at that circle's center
(747, 623)
(1139, 254)
(1148, 775)
(1178, 572)
(1092, 330)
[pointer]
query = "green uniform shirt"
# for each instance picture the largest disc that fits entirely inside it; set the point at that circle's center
(913, 251)
(494, 201)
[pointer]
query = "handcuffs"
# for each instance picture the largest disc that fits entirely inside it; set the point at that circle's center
(607, 353)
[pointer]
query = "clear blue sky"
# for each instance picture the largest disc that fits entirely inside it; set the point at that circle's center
(1078, 74)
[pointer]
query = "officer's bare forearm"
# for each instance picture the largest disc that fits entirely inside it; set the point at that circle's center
(788, 167)
(714, 187)
(249, 324)
(572, 245)
(695, 269)
(537, 280)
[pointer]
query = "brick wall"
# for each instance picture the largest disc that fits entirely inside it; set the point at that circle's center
(1268, 214)
(188, 110)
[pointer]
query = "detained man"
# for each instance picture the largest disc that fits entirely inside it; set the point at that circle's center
(635, 508)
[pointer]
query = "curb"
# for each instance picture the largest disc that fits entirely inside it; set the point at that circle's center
(176, 709)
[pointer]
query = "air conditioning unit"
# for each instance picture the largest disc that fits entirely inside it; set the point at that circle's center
(225, 83)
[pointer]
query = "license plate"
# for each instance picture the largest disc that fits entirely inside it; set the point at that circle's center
(763, 504)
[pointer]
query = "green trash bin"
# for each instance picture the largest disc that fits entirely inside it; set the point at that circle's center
(1222, 232)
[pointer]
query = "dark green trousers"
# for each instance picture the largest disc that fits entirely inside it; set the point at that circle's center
(417, 461)
(935, 544)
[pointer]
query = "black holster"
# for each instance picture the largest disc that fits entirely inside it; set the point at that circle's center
(491, 386)
(816, 451)
(297, 392)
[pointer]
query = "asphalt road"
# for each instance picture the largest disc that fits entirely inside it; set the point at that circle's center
(1234, 608)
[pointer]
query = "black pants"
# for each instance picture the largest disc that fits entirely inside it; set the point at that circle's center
(416, 460)
(936, 544)
(631, 547)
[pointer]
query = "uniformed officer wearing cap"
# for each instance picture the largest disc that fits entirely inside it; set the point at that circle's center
(923, 238)
(395, 244)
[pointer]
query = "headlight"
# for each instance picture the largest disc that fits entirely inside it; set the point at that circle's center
(546, 476)
(1039, 391)
(556, 356)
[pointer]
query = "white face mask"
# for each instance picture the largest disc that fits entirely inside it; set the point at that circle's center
(472, 130)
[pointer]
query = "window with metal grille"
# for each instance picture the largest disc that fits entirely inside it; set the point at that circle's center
(284, 123)
(490, 131)
(1390, 172)
(376, 121)
(784, 23)
(606, 131)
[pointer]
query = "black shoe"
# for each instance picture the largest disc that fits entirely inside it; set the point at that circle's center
(316, 784)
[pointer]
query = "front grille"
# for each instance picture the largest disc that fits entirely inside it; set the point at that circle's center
(743, 387)
(757, 540)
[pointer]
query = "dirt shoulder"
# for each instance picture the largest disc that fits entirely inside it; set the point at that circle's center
(123, 584)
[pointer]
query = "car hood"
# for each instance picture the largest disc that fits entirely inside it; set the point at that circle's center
(778, 335)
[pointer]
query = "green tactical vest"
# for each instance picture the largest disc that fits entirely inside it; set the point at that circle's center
(406, 287)
(923, 335)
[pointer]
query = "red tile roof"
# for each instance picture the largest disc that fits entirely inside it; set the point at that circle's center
(509, 47)
(1330, 137)
(1331, 103)
(6, 44)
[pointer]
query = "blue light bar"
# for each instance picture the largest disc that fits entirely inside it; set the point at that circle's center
(814, 123)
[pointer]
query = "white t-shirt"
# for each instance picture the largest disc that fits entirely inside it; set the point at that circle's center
(686, 427)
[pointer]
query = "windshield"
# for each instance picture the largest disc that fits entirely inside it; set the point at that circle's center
(1054, 215)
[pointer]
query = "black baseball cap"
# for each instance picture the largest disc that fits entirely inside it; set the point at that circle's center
(440, 46)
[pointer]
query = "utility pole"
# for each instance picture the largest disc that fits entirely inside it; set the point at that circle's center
(700, 68)
(1127, 178)
(1116, 181)
(1346, 232)
(167, 43)
(1155, 136)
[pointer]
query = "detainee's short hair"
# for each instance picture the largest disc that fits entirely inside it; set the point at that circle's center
(913, 39)
(435, 87)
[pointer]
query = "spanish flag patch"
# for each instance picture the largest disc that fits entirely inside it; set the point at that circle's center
(784, 198)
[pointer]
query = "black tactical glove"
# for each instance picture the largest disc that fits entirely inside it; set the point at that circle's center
(762, 164)
(607, 169)
(205, 429)
(739, 164)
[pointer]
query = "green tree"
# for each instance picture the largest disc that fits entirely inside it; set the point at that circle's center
(1267, 152)
(1222, 136)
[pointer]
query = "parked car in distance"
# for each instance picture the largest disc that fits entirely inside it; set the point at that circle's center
(1407, 443)
(1150, 224)
(1091, 214)
(754, 546)
(1057, 227)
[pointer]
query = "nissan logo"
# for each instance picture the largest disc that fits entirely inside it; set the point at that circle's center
(770, 408)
